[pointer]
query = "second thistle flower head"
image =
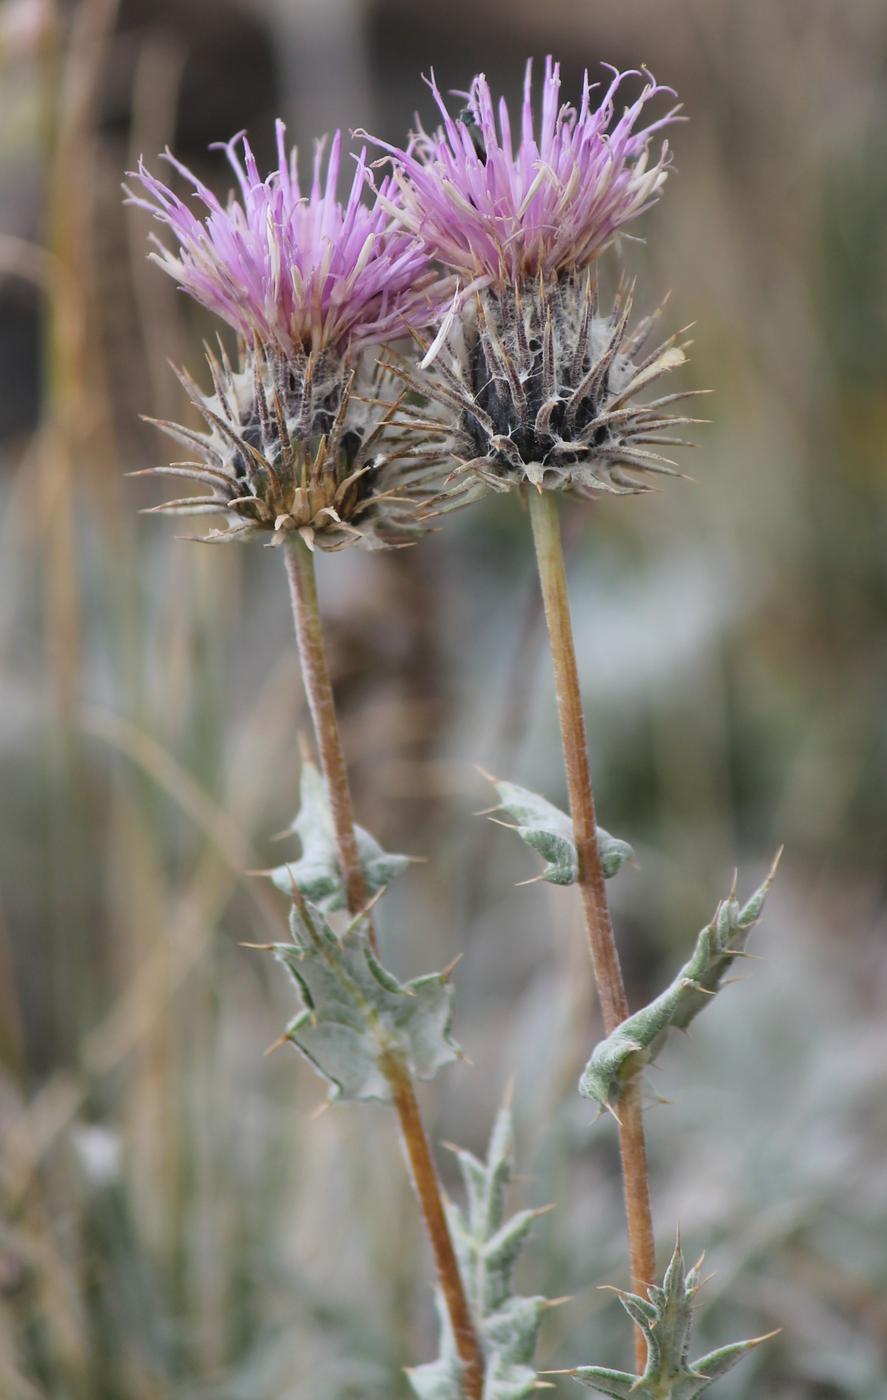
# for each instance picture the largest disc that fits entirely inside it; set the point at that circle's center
(296, 432)
(532, 382)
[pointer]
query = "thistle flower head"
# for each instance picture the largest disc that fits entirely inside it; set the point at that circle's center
(295, 271)
(298, 433)
(496, 209)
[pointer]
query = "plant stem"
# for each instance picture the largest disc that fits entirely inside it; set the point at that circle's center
(321, 702)
(602, 944)
(415, 1142)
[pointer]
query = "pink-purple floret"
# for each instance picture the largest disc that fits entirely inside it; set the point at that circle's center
(494, 213)
(301, 272)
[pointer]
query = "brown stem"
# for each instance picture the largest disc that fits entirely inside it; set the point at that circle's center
(319, 690)
(424, 1174)
(316, 679)
(602, 944)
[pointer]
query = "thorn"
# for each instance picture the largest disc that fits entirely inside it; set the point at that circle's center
(320, 1110)
(509, 826)
(753, 1342)
(445, 972)
(543, 1210)
(488, 811)
(367, 909)
(275, 1045)
(294, 888)
(485, 774)
(508, 1092)
(259, 947)
(697, 986)
(610, 1109)
(557, 1302)
(767, 1336)
(519, 884)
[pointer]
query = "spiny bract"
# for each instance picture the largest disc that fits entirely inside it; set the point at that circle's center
(533, 386)
(300, 444)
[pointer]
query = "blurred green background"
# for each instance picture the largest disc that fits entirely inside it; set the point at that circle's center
(175, 1222)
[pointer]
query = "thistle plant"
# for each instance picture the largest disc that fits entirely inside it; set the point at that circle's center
(482, 249)
(535, 387)
(309, 284)
(537, 392)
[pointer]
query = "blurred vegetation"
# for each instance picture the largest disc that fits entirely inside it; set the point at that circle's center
(175, 1223)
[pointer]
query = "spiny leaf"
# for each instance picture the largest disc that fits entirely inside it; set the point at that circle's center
(316, 873)
(549, 831)
(665, 1316)
(356, 1013)
(487, 1245)
(633, 1043)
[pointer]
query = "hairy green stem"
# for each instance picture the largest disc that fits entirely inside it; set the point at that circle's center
(599, 927)
(423, 1173)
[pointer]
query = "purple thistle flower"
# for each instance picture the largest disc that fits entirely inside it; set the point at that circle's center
(496, 214)
(297, 272)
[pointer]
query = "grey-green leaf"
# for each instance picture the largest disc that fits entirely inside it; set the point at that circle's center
(618, 1384)
(665, 1317)
(548, 830)
(487, 1245)
(316, 873)
(633, 1043)
(356, 1013)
